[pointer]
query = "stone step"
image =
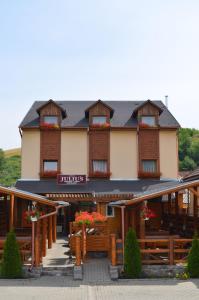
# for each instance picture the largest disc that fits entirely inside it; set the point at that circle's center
(57, 271)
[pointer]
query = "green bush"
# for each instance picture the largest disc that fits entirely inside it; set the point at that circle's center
(11, 263)
(193, 259)
(132, 256)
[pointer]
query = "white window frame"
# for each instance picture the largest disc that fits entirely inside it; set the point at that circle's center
(98, 161)
(98, 118)
(51, 122)
(149, 160)
(148, 123)
(113, 211)
(50, 161)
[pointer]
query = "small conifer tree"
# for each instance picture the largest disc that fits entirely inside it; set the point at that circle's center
(11, 263)
(193, 259)
(132, 255)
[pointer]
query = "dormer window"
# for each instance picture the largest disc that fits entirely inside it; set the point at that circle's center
(52, 120)
(99, 120)
(148, 120)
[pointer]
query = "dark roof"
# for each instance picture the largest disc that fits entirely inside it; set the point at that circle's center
(193, 175)
(122, 116)
(94, 186)
(26, 194)
(158, 191)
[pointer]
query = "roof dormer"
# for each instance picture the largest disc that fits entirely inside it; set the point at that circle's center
(99, 111)
(147, 113)
(51, 114)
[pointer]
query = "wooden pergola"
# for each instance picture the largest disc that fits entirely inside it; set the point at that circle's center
(45, 226)
(174, 242)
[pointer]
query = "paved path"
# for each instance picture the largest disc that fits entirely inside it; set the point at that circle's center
(64, 288)
(96, 270)
(58, 255)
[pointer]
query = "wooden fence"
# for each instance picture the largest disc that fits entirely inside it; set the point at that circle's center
(154, 251)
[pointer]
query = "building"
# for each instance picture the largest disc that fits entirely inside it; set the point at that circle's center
(116, 148)
(119, 158)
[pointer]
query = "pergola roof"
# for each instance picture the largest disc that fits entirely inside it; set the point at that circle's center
(27, 195)
(160, 191)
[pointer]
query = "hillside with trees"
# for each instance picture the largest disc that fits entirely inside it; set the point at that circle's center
(188, 149)
(10, 168)
(10, 160)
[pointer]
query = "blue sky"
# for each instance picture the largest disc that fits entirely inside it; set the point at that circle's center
(91, 49)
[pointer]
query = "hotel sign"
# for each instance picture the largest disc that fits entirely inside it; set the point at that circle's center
(71, 179)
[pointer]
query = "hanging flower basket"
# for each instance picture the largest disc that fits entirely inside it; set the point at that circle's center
(147, 213)
(32, 215)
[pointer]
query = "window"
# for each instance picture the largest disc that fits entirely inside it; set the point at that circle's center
(149, 120)
(51, 119)
(98, 120)
(100, 166)
(110, 211)
(149, 166)
(50, 165)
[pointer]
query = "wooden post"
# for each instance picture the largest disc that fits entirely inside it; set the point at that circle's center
(78, 250)
(44, 234)
(176, 204)
(171, 252)
(195, 209)
(37, 244)
(169, 204)
(123, 229)
(142, 226)
(11, 223)
(113, 250)
(54, 221)
(50, 232)
(83, 241)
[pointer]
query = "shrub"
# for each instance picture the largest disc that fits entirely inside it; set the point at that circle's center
(132, 256)
(11, 263)
(193, 259)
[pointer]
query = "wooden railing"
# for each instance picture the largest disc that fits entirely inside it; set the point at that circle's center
(154, 251)
(24, 248)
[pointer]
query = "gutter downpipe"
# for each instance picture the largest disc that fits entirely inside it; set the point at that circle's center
(33, 233)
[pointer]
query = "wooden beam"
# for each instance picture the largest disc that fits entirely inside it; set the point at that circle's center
(176, 204)
(113, 249)
(44, 235)
(194, 191)
(11, 223)
(78, 250)
(37, 244)
(50, 237)
(54, 225)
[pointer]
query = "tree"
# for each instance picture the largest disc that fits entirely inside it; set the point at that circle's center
(193, 259)
(132, 256)
(11, 263)
(187, 164)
